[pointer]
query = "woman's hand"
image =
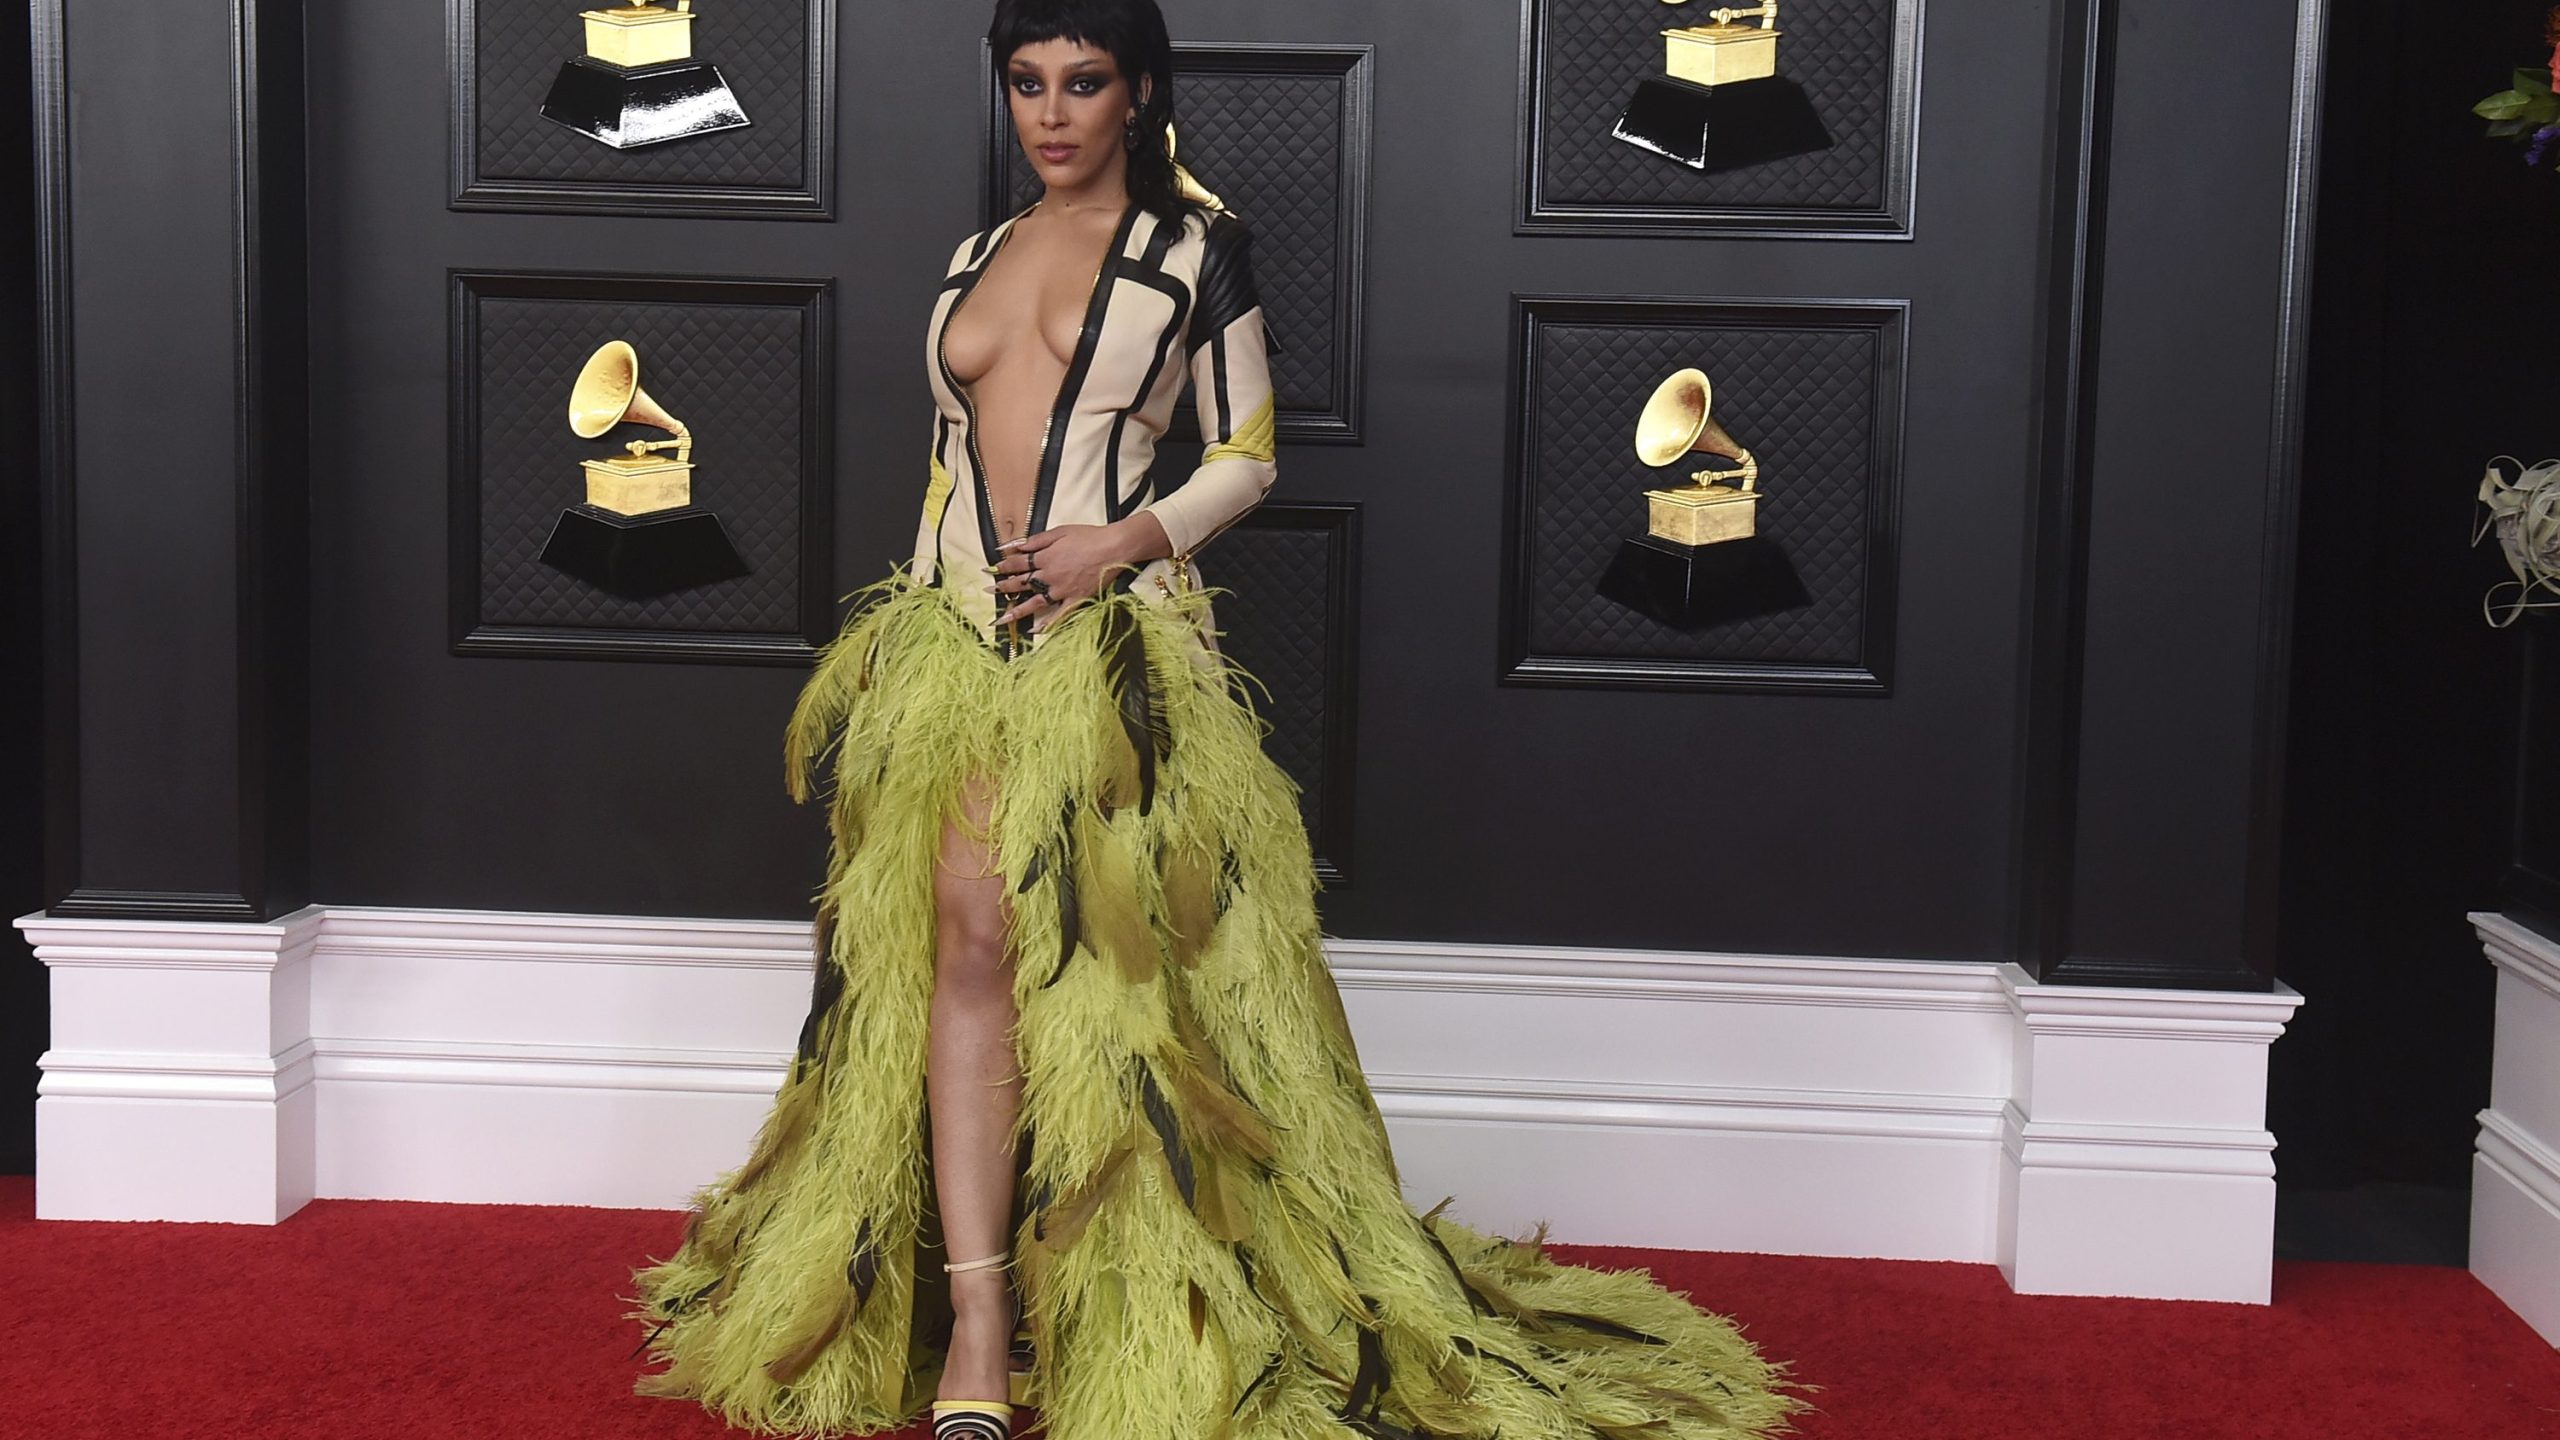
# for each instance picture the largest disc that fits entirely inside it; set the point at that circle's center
(1046, 574)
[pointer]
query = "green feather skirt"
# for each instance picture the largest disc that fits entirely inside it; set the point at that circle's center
(1211, 1239)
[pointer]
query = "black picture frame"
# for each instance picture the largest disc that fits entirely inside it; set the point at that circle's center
(812, 623)
(1519, 662)
(1890, 217)
(812, 198)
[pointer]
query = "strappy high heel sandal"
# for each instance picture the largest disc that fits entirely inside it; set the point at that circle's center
(981, 1419)
(972, 1420)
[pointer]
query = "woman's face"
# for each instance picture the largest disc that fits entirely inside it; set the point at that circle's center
(1070, 107)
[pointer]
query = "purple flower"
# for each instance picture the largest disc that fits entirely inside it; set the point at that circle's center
(2542, 139)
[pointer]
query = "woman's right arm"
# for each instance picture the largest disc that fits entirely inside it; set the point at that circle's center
(938, 482)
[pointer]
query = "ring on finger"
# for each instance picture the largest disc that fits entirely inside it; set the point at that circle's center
(1042, 586)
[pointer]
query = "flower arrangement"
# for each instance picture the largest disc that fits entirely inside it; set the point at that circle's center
(2525, 513)
(2528, 111)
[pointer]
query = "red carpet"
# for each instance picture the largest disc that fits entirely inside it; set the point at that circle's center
(380, 1321)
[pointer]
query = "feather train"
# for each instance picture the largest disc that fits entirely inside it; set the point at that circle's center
(1212, 1241)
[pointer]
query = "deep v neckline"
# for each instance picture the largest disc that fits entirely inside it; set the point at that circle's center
(1046, 474)
(1004, 236)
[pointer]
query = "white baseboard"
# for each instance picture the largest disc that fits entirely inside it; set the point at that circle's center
(2088, 1141)
(2515, 1165)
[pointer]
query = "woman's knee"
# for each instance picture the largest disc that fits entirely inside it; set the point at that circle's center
(968, 892)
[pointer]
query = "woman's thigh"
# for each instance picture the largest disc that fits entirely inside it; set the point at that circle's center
(968, 896)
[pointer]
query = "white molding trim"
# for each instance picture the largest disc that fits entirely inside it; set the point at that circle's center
(2515, 1163)
(2094, 1141)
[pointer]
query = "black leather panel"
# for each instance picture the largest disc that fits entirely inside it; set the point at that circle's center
(1227, 291)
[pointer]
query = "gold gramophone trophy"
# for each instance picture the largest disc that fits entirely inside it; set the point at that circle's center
(1720, 102)
(1676, 422)
(1701, 559)
(638, 83)
(639, 533)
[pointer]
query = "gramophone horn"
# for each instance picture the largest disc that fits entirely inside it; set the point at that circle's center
(1675, 421)
(608, 392)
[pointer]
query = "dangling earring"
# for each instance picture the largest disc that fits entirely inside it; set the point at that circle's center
(1129, 132)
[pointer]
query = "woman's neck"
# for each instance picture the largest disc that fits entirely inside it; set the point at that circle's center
(1107, 191)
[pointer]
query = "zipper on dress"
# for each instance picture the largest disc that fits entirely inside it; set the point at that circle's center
(1009, 637)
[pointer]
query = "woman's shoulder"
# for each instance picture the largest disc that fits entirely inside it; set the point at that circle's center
(1216, 227)
(975, 245)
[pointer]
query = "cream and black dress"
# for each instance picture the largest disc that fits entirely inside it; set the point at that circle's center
(1211, 1239)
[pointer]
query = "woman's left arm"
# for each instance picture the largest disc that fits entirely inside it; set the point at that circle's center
(1231, 391)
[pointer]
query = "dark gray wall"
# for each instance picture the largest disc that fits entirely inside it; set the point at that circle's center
(2069, 767)
(1483, 811)
(23, 990)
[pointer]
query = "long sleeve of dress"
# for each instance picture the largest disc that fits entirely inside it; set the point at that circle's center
(1231, 390)
(925, 567)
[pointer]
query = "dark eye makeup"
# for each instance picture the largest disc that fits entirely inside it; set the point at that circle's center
(1029, 84)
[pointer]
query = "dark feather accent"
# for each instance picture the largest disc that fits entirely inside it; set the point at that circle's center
(1523, 1370)
(672, 1309)
(1031, 872)
(1199, 1312)
(1070, 913)
(1472, 1351)
(1059, 1225)
(1267, 1372)
(1230, 871)
(1475, 1297)
(860, 1274)
(824, 991)
(863, 1271)
(650, 1339)
(870, 654)
(1168, 1130)
(1369, 1380)
(1605, 1327)
(1252, 1285)
(1133, 688)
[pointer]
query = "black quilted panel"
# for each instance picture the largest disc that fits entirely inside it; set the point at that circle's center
(761, 47)
(1272, 146)
(730, 372)
(1278, 624)
(1594, 51)
(1802, 400)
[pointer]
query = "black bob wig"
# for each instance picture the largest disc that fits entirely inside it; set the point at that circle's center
(1133, 32)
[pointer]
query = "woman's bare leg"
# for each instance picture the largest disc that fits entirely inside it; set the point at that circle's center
(974, 1085)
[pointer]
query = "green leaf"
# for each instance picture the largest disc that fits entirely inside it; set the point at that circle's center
(2536, 81)
(2505, 105)
(2509, 129)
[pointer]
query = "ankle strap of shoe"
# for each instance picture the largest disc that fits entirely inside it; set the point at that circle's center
(1002, 1259)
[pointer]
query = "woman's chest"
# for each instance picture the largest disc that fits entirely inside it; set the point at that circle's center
(994, 326)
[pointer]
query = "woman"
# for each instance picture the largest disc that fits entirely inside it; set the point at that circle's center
(1074, 1062)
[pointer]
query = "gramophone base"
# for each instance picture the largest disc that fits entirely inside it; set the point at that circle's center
(1745, 123)
(642, 105)
(1689, 587)
(641, 556)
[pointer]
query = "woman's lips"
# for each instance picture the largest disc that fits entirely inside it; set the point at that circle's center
(1054, 154)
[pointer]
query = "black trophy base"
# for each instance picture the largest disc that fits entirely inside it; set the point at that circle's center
(642, 556)
(1689, 587)
(644, 105)
(1725, 127)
